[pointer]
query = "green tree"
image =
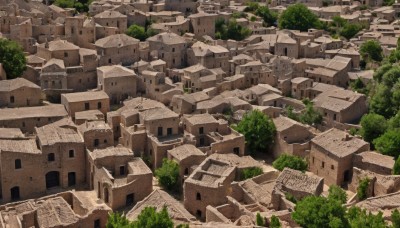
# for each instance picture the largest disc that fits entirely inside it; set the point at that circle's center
(310, 116)
(290, 161)
(371, 50)
(267, 15)
(232, 30)
(116, 220)
(394, 122)
(396, 167)
(395, 218)
(137, 32)
(390, 77)
(258, 130)
(275, 223)
(12, 57)
(260, 221)
(251, 6)
(362, 189)
(168, 174)
(80, 5)
(372, 126)
(337, 193)
(251, 172)
(289, 110)
(298, 17)
(389, 143)
(150, 218)
(381, 101)
(349, 30)
(316, 211)
(360, 218)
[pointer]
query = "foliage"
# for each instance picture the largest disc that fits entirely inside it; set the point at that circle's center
(372, 126)
(349, 30)
(363, 188)
(316, 211)
(116, 220)
(269, 17)
(251, 172)
(360, 218)
(260, 221)
(139, 32)
(396, 167)
(168, 174)
(337, 193)
(395, 218)
(80, 6)
(382, 100)
(394, 122)
(258, 130)
(251, 6)
(353, 131)
(239, 15)
(290, 161)
(150, 218)
(298, 17)
(289, 110)
(12, 57)
(389, 143)
(390, 77)
(310, 116)
(371, 50)
(275, 223)
(232, 30)
(290, 197)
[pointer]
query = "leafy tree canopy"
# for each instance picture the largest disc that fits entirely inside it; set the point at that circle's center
(371, 50)
(362, 189)
(168, 174)
(251, 172)
(372, 126)
(389, 143)
(232, 30)
(337, 193)
(12, 57)
(290, 161)
(298, 17)
(80, 6)
(148, 218)
(258, 130)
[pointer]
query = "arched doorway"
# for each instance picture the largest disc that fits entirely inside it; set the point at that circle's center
(15, 193)
(52, 179)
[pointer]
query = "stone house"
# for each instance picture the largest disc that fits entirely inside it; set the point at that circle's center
(73, 210)
(300, 86)
(208, 184)
(118, 82)
(81, 31)
(198, 77)
(158, 199)
(255, 73)
(96, 134)
(203, 24)
(210, 56)
(84, 101)
(91, 115)
(374, 162)
(114, 19)
(19, 92)
(286, 46)
(291, 137)
(169, 47)
(185, 6)
(28, 118)
(117, 49)
(331, 155)
(60, 49)
(179, 27)
(188, 157)
(341, 106)
(186, 103)
(119, 178)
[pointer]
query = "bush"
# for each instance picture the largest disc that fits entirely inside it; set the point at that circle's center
(232, 30)
(290, 197)
(258, 130)
(372, 126)
(251, 172)
(12, 58)
(298, 17)
(275, 223)
(337, 193)
(371, 50)
(168, 174)
(389, 143)
(362, 189)
(290, 161)
(260, 221)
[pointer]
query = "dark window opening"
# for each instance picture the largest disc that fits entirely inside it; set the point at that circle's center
(130, 199)
(87, 106)
(169, 131)
(18, 164)
(160, 131)
(122, 170)
(186, 171)
(71, 153)
(201, 130)
(71, 179)
(198, 196)
(51, 157)
(99, 105)
(15, 193)
(96, 142)
(52, 179)
(12, 99)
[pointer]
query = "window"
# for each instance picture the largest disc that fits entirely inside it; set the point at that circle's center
(50, 157)
(198, 213)
(334, 116)
(201, 130)
(323, 164)
(198, 196)
(71, 153)
(96, 142)
(332, 167)
(169, 131)
(130, 199)
(18, 164)
(97, 223)
(98, 105)
(122, 170)
(160, 131)
(65, 54)
(313, 160)
(87, 106)
(173, 49)
(236, 150)
(12, 99)
(186, 171)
